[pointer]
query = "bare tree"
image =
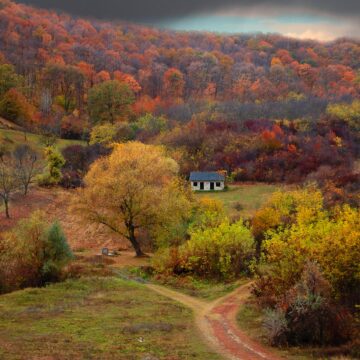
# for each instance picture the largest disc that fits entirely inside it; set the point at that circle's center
(27, 165)
(9, 181)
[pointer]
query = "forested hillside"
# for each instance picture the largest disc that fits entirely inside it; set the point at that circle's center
(262, 107)
(172, 65)
(123, 113)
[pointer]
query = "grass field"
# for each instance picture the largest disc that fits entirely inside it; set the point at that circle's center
(242, 200)
(12, 138)
(96, 318)
(189, 285)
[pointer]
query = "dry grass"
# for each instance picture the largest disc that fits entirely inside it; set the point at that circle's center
(55, 202)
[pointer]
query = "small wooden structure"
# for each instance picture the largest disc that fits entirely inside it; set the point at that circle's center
(207, 181)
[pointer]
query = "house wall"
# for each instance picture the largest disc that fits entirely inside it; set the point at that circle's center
(207, 185)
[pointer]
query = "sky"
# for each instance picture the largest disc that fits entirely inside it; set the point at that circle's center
(322, 20)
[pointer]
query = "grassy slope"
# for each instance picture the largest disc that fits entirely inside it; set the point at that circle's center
(99, 318)
(14, 137)
(247, 198)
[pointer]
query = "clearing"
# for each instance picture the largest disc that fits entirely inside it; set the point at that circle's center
(242, 200)
(97, 318)
(11, 138)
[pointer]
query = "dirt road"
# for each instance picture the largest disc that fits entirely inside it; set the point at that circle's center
(217, 324)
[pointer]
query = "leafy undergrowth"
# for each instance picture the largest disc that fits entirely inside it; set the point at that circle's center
(96, 318)
(250, 318)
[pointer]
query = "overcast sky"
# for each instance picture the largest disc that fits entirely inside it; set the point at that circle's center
(319, 19)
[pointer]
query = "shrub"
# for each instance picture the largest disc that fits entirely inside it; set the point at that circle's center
(103, 134)
(208, 213)
(71, 179)
(221, 252)
(308, 316)
(33, 254)
(55, 162)
(57, 253)
(331, 240)
(312, 316)
(78, 159)
(276, 326)
(15, 107)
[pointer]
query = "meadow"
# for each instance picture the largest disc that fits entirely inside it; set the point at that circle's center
(242, 200)
(100, 318)
(12, 138)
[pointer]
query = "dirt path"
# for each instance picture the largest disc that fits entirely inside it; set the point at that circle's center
(217, 324)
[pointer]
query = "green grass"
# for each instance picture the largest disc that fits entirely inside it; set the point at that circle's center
(11, 138)
(189, 285)
(96, 318)
(242, 200)
(202, 289)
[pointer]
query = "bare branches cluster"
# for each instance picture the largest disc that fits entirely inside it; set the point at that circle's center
(18, 169)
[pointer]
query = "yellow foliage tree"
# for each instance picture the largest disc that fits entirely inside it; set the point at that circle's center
(330, 239)
(350, 113)
(135, 188)
(284, 208)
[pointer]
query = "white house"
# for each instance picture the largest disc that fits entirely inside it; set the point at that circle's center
(207, 181)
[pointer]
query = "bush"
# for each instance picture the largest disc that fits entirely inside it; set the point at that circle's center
(71, 179)
(103, 134)
(221, 252)
(55, 162)
(333, 242)
(57, 253)
(15, 107)
(33, 254)
(308, 316)
(209, 213)
(78, 159)
(312, 316)
(276, 326)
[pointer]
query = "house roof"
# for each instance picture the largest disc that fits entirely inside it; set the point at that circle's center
(206, 176)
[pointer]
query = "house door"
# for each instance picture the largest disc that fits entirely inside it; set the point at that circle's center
(201, 186)
(212, 186)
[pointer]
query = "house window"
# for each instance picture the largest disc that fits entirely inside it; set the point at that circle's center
(195, 183)
(218, 184)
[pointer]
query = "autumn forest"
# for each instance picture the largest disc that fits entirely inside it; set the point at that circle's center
(101, 124)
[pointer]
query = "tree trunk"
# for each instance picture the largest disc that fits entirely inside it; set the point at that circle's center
(134, 242)
(6, 203)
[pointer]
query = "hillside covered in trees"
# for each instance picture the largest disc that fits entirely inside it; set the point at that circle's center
(263, 107)
(123, 113)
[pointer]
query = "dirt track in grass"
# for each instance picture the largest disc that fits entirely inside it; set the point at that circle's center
(217, 324)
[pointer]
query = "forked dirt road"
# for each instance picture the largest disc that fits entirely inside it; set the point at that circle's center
(217, 324)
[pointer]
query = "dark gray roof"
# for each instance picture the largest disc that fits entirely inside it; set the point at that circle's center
(206, 176)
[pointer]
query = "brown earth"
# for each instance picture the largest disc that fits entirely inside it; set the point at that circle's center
(216, 322)
(55, 203)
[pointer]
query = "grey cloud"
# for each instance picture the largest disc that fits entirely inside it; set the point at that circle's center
(157, 10)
